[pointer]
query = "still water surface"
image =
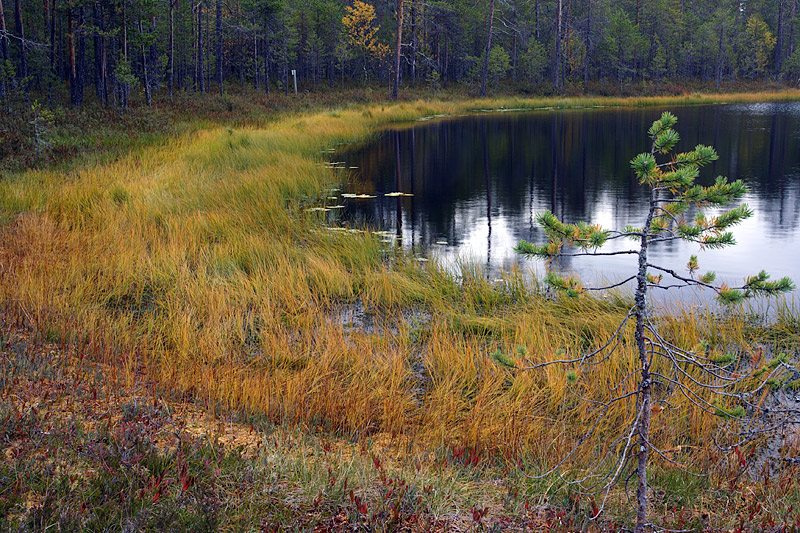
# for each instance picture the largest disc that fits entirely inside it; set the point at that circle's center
(478, 181)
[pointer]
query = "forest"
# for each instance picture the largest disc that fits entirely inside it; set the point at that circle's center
(112, 47)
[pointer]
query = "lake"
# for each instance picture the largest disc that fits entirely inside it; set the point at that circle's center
(474, 184)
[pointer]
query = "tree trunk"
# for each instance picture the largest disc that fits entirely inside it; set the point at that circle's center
(206, 58)
(125, 29)
(588, 45)
(77, 52)
(737, 31)
(779, 41)
(155, 73)
(63, 70)
(4, 54)
(719, 52)
(99, 54)
(171, 46)
(23, 60)
(791, 28)
(255, 62)
(398, 51)
(52, 31)
(284, 39)
(201, 77)
(643, 424)
(266, 66)
(485, 70)
(81, 53)
(147, 92)
(4, 48)
(218, 31)
(413, 42)
(331, 68)
(558, 49)
(73, 75)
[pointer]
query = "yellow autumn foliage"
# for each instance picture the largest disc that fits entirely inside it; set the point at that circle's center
(362, 30)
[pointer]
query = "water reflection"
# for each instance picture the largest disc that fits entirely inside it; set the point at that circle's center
(477, 183)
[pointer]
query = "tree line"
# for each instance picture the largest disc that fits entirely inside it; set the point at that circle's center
(111, 47)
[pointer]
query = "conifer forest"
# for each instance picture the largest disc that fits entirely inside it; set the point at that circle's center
(109, 46)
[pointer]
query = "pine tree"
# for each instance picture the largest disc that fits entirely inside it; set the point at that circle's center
(710, 383)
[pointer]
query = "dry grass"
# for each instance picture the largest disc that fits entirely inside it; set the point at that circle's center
(197, 265)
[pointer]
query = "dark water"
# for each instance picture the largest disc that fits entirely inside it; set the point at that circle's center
(478, 181)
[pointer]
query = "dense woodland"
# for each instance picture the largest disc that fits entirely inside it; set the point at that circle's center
(111, 47)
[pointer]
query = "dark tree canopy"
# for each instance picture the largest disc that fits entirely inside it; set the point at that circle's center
(525, 45)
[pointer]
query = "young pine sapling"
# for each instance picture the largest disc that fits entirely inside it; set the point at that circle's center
(712, 384)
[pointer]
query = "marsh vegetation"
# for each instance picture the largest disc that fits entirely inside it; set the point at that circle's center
(200, 267)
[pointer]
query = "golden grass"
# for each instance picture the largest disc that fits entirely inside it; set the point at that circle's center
(197, 263)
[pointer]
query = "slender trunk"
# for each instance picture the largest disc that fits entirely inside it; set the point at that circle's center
(255, 62)
(398, 51)
(219, 45)
(76, 55)
(446, 70)
(98, 50)
(155, 75)
(588, 45)
(286, 56)
(719, 52)
(171, 46)
(485, 70)
(791, 27)
(4, 48)
(413, 42)
(4, 54)
(779, 41)
(73, 75)
(46, 26)
(124, 30)
(266, 66)
(81, 54)
(558, 49)
(52, 31)
(61, 70)
(194, 50)
(147, 93)
(104, 66)
(201, 77)
(331, 68)
(514, 58)
(23, 60)
(643, 424)
(206, 59)
(737, 29)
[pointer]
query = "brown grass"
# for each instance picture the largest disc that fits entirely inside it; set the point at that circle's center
(197, 265)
